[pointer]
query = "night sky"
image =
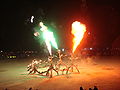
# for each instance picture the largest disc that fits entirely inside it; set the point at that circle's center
(102, 18)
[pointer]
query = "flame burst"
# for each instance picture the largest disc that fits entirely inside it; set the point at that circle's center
(78, 30)
(49, 37)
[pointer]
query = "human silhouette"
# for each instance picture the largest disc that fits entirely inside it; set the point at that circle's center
(95, 88)
(30, 88)
(81, 88)
(90, 88)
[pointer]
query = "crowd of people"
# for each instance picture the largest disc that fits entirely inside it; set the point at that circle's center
(81, 88)
(94, 88)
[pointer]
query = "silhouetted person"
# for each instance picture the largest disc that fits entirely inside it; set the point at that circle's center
(90, 88)
(95, 88)
(30, 88)
(81, 88)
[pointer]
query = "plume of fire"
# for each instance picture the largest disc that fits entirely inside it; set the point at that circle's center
(78, 30)
(49, 38)
(48, 46)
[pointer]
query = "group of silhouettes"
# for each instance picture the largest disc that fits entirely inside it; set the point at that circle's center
(95, 88)
(81, 88)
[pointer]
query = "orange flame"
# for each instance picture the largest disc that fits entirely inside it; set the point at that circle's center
(78, 30)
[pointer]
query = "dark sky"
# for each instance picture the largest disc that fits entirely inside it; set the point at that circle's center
(100, 16)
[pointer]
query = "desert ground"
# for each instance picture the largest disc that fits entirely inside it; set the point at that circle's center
(103, 72)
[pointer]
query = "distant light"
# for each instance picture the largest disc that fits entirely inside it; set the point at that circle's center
(1, 51)
(85, 48)
(89, 33)
(91, 48)
(40, 60)
(32, 19)
(63, 49)
(11, 57)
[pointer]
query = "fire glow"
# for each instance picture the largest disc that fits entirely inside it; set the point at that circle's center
(48, 37)
(78, 30)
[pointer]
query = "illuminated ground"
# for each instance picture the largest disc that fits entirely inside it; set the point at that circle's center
(102, 72)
